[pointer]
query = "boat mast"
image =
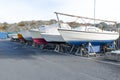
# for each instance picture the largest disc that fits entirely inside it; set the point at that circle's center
(58, 19)
(94, 10)
(83, 17)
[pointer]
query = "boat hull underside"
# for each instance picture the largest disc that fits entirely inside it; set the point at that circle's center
(94, 42)
(39, 41)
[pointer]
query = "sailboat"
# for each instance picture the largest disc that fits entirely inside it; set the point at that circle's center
(26, 35)
(37, 37)
(50, 32)
(85, 34)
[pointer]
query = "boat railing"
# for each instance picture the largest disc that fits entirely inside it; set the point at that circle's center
(113, 23)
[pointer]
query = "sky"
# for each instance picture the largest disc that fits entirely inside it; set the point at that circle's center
(13, 11)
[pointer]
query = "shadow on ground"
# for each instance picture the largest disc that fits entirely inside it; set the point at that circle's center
(17, 50)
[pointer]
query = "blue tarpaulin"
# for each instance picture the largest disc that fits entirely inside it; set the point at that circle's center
(96, 48)
(3, 35)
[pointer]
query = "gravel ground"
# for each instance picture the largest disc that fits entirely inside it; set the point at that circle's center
(20, 62)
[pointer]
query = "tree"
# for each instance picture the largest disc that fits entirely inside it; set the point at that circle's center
(4, 26)
(21, 23)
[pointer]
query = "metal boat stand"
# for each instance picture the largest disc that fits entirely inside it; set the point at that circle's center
(111, 47)
(62, 48)
(77, 50)
(73, 46)
(115, 47)
(35, 45)
(59, 48)
(83, 51)
(114, 54)
(91, 51)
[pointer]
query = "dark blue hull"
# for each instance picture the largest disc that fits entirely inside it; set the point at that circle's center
(96, 42)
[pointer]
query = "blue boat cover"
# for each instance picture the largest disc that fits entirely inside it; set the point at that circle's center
(3, 35)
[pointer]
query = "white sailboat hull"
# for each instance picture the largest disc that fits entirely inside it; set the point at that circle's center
(15, 35)
(26, 34)
(52, 38)
(37, 37)
(35, 34)
(78, 37)
(50, 32)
